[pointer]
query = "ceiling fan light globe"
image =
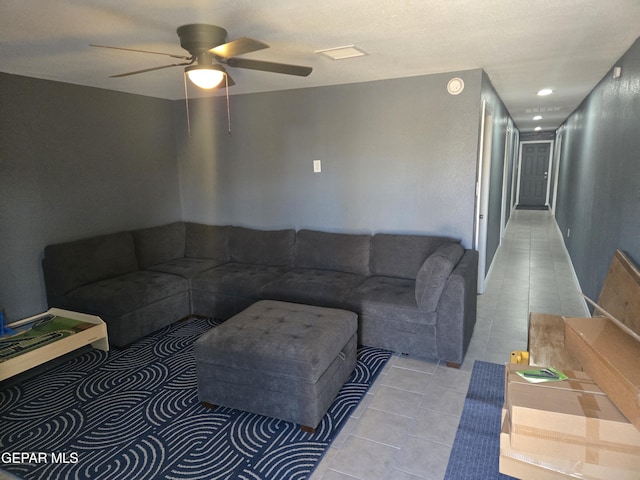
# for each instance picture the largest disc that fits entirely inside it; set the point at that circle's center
(204, 77)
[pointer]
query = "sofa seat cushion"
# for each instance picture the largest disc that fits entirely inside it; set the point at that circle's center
(324, 288)
(119, 295)
(391, 298)
(239, 279)
(186, 267)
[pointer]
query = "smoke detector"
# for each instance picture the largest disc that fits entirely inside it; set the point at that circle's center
(455, 86)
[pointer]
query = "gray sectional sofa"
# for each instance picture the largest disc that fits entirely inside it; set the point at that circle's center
(413, 294)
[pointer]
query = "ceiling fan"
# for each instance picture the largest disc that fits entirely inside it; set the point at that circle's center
(209, 51)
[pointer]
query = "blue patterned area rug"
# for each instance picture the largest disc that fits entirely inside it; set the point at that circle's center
(475, 453)
(135, 414)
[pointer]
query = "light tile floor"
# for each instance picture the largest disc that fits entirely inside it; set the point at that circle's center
(405, 426)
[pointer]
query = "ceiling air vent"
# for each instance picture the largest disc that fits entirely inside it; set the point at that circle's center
(341, 53)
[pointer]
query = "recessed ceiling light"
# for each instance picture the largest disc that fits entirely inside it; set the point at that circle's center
(340, 53)
(537, 129)
(544, 92)
(537, 117)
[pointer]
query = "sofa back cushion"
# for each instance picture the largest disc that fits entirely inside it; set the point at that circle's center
(157, 245)
(70, 265)
(333, 251)
(207, 241)
(261, 247)
(434, 273)
(396, 255)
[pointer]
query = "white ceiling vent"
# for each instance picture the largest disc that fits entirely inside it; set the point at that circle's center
(542, 109)
(341, 53)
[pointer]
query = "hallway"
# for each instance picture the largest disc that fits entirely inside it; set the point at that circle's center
(531, 272)
(405, 426)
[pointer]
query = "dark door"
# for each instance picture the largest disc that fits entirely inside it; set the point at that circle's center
(534, 174)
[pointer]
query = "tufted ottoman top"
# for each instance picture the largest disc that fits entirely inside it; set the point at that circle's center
(281, 338)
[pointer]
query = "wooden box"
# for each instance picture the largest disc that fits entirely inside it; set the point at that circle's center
(611, 357)
(546, 342)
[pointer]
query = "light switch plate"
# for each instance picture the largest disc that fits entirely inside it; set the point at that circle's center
(317, 166)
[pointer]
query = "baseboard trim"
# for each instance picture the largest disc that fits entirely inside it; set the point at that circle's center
(585, 305)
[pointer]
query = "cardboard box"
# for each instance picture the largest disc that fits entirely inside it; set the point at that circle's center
(570, 424)
(611, 357)
(517, 465)
(528, 466)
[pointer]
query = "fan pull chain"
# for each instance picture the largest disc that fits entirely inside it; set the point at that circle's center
(186, 100)
(226, 79)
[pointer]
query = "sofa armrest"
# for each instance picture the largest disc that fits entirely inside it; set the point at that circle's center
(457, 310)
(434, 274)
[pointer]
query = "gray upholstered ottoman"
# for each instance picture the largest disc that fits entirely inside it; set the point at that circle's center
(279, 359)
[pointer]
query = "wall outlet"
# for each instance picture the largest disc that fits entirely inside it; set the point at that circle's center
(317, 166)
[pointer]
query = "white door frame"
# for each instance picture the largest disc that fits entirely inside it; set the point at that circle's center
(522, 144)
(505, 181)
(556, 172)
(515, 173)
(482, 191)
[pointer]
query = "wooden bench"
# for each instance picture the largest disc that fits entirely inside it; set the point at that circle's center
(619, 300)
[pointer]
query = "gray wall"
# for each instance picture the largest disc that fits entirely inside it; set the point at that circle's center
(74, 162)
(397, 155)
(599, 189)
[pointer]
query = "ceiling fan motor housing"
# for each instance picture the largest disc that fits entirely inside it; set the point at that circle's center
(197, 37)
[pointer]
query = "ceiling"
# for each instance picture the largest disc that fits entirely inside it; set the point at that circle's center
(523, 45)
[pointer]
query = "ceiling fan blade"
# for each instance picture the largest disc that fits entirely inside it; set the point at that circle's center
(238, 47)
(149, 70)
(142, 51)
(269, 66)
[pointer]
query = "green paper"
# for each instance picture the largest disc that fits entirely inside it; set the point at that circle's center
(538, 375)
